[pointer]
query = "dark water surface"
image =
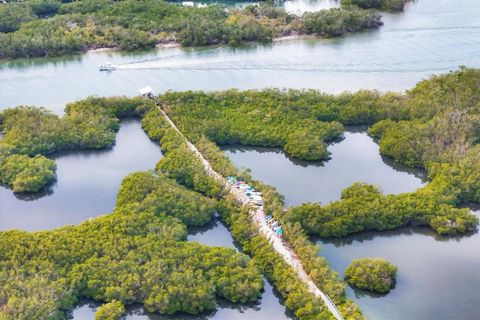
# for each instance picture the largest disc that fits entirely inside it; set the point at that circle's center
(356, 158)
(87, 183)
(438, 277)
(430, 37)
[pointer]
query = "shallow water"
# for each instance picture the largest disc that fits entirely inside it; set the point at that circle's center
(437, 277)
(87, 183)
(431, 36)
(356, 158)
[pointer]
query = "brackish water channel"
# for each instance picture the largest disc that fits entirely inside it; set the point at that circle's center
(430, 37)
(438, 277)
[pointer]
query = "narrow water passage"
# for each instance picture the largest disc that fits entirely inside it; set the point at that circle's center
(271, 304)
(437, 277)
(430, 37)
(87, 183)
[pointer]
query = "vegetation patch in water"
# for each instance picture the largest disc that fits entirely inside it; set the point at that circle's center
(26, 174)
(362, 208)
(373, 274)
(31, 133)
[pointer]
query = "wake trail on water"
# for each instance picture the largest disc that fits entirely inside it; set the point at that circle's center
(153, 63)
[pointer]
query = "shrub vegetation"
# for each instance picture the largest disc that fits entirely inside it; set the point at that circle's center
(373, 274)
(269, 118)
(434, 126)
(47, 28)
(296, 294)
(137, 254)
(388, 5)
(110, 311)
(31, 133)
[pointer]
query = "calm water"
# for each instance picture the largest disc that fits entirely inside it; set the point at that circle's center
(431, 36)
(438, 277)
(356, 158)
(270, 305)
(87, 183)
(296, 7)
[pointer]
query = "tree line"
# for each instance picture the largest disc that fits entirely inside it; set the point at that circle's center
(434, 126)
(237, 117)
(48, 28)
(387, 5)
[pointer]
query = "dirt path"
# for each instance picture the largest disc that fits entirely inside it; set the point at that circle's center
(258, 216)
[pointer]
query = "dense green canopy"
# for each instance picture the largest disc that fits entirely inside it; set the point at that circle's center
(31, 133)
(260, 118)
(110, 311)
(45, 28)
(374, 274)
(135, 254)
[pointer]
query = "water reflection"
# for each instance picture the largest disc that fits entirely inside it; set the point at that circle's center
(214, 233)
(431, 36)
(356, 158)
(24, 63)
(437, 276)
(268, 307)
(295, 6)
(86, 186)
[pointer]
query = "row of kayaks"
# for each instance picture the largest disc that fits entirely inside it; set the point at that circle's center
(256, 198)
(273, 224)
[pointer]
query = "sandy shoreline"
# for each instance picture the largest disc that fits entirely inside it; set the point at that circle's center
(295, 37)
(177, 44)
(168, 45)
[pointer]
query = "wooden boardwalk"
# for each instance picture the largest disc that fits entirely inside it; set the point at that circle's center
(258, 217)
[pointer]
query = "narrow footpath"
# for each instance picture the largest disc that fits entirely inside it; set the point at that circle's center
(258, 216)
